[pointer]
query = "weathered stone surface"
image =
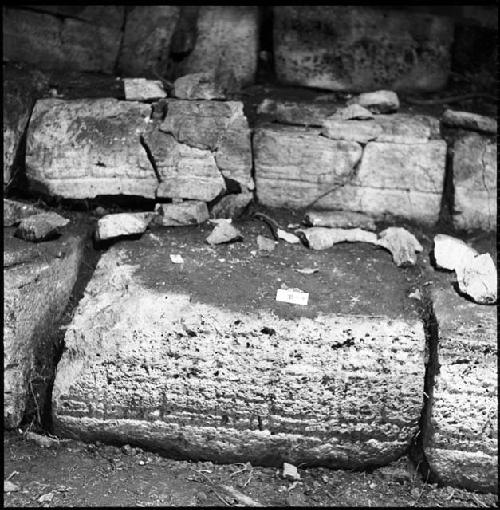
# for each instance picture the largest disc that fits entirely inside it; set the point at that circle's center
(122, 224)
(468, 120)
(227, 43)
(380, 101)
(89, 147)
(184, 171)
(198, 86)
(52, 42)
(477, 277)
(36, 292)
(190, 212)
(14, 211)
(146, 40)
(141, 89)
(322, 238)
(358, 48)
(353, 112)
(224, 232)
(305, 113)
(396, 128)
(188, 370)
(219, 126)
(41, 227)
(403, 245)
(265, 244)
(461, 435)
(475, 182)
(231, 206)
(450, 252)
(340, 219)
(104, 15)
(21, 87)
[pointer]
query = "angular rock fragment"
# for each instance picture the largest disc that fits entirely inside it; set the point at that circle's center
(141, 89)
(9, 486)
(353, 112)
(290, 472)
(89, 147)
(477, 277)
(224, 233)
(287, 236)
(322, 238)
(191, 212)
(198, 86)
(41, 227)
(339, 219)
(468, 120)
(451, 253)
(475, 182)
(122, 224)
(231, 206)
(381, 101)
(305, 113)
(402, 244)
(15, 211)
(461, 429)
(265, 244)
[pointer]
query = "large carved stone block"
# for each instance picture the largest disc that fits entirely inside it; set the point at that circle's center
(475, 182)
(89, 147)
(359, 48)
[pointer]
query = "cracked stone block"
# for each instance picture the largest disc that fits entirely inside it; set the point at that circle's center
(461, 434)
(475, 182)
(165, 363)
(227, 43)
(220, 126)
(146, 40)
(184, 171)
(361, 49)
(89, 147)
(37, 290)
(53, 42)
(21, 87)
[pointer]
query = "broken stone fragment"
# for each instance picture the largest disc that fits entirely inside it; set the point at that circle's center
(198, 86)
(305, 113)
(231, 206)
(450, 252)
(287, 236)
(40, 227)
(224, 233)
(42, 441)
(477, 278)
(14, 211)
(290, 472)
(469, 120)
(122, 224)
(353, 112)
(322, 238)
(339, 219)
(265, 244)
(380, 101)
(402, 244)
(141, 89)
(9, 486)
(191, 212)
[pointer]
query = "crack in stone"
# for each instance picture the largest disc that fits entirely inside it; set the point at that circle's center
(150, 157)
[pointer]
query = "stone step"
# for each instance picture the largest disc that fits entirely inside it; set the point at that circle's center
(199, 360)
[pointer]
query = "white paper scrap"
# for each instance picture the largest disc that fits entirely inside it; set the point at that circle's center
(176, 258)
(293, 296)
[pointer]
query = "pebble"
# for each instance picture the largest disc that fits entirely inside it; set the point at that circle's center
(290, 472)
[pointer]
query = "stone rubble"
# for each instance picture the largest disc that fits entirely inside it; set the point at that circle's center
(469, 120)
(339, 219)
(122, 224)
(224, 233)
(190, 212)
(141, 89)
(322, 238)
(290, 472)
(380, 101)
(198, 86)
(265, 244)
(231, 206)
(450, 252)
(403, 245)
(41, 227)
(15, 211)
(477, 277)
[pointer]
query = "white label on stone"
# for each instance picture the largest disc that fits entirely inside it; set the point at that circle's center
(294, 296)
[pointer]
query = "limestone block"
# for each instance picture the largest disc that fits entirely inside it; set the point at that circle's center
(146, 40)
(361, 49)
(219, 126)
(14, 211)
(461, 434)
(190, 212)
(226, 43)
(380, 101)
(41, 227)
(52, 42)
(122, 224)
(36, 294)
(469, 120)
(89, 147)
(184, 171)
(186, 370)
(140, 89)
(306, 113)
(475, 182)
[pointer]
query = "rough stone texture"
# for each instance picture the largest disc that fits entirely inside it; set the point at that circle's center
(89, 147)
(322, 238)
(231, 206)
(200, 377)
(226, 43)
(41, 227)
(403, 245)
(103, 15)
(380, 101)
(461, 436)
(450, 252)
(122, 224)
(146, 40)
(14, 211)
(184, 171)
(36, 292)
(478, 278)
(353, 112)
(224, 232)
(295, 167)
(198, 86)
(21, 87)
(363, 49)
(468, 120)
(140, 89)
(475, 182)
(52, 42)
(190, 212)
(219, 126)
(306, 113)
(340, 219)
